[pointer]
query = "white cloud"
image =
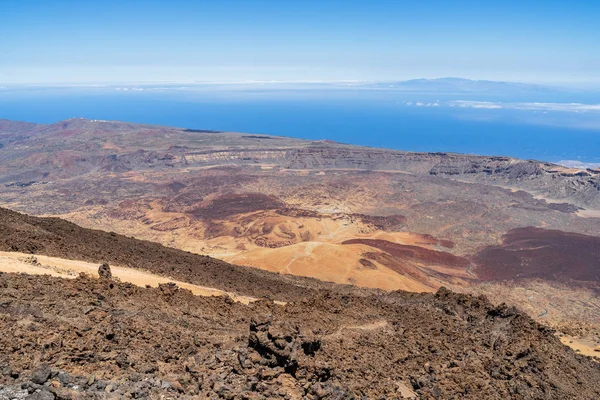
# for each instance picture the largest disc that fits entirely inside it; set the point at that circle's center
(578, 164)
(422, 104)
(474, 104)
(544, 107)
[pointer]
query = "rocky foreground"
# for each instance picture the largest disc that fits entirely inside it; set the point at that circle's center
(88, 338)
(99, 338)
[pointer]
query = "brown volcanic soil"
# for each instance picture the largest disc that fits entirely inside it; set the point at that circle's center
(58, 238)
(92, 338)
(572, 308)
(541, 253)
(385, 223)
(225, 206)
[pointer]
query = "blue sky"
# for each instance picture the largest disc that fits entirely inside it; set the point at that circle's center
(130, 41)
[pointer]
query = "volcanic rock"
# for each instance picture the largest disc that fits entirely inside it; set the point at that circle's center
(104, 272)
(41, 374)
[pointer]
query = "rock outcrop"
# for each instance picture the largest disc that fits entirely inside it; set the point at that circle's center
(104, 272)
(80, 338)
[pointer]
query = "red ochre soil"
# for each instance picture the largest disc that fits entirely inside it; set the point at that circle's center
(414, 254)
(541, 253)
(225, 206)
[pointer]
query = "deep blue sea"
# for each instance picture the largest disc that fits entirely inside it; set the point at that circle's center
(415, 122)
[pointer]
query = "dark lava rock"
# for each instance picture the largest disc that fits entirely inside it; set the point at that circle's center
(104, 272)
(41, 375)
(277, 344)
(41, 395)
(328, 346)
(169, 288)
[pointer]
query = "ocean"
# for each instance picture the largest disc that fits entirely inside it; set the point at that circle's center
(413, 122)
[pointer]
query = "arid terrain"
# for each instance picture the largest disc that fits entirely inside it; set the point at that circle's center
(523, 232)
(74, 333)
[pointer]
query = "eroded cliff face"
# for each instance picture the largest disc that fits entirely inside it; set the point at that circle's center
(77, 147)
(579, 186)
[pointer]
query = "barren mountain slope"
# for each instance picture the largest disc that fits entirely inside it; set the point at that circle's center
(370, 217)
(96, 338)
(59, 238)
(248, 198)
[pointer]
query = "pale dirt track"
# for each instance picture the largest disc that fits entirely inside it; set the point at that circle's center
(62, 268)
(588, 213)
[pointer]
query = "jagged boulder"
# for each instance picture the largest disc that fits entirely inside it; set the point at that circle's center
(280, 344)
(277, 344)
(41, 374)
(104, 272)
(169, 288)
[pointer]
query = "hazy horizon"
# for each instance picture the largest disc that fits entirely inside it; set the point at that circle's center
(133, 41)
(300, 84)
(234, 81)
(317, 69)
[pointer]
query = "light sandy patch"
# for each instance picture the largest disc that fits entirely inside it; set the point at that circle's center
(585, 345)
(459, 276)
(564, 169)
(318, 251)
(62, 268)
(405, 391)
(388, 171)
(365, 327)
(328, 262)
(513, 189)
(588, 213)
(548, 200)
(111, 146)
